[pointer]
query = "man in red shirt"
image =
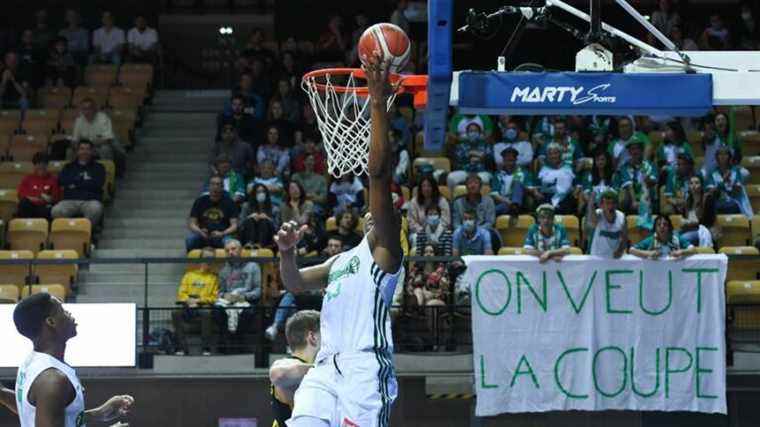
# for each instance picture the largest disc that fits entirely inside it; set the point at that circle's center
(310, 147)
(39, 191)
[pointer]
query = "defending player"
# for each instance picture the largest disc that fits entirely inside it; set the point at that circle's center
(48, 391)
(353, 382)
(302, 334)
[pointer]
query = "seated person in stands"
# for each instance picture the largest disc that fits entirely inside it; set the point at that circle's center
(60, 68)
(346, 193)
(143, 42)
(470, 155)
(554, 182)
(239, 292)
(482, 205)
(637, 179)
(508, 184)
(618, 148)
(296, 207)
(510, 138)
(609, 231)
(569, 148)
(197, 295)
(95, 126)
(470, 238)
(433, 234)
(674, 145)
(698, 212)
(213, 218)
(726, 184)
(664, 243)
(428, 195)
(268, 178)
(677, 181)
(547, 240)
(15, 86)
(346, 232)
(313, 182)
(38, 191)
(108, 41)
(254, 101)
(234, 184)
(249, 128)
(82, 183)
(274, 151)
(313, 240)
(592, 183)
(240, 153)
(428, 281)
(259, 219)
(310, 148)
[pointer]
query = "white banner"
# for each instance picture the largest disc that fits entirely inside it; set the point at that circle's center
(591, 334)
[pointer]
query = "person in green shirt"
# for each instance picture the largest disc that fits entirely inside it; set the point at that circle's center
(675, 143)
(637, 179)
(626, 133)
(546, 240)
(234, 183)
(677, 184)
(663, 243)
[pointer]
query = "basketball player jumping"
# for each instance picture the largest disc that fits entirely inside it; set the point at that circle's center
(353, 382)
(48, 391)
(302, 334)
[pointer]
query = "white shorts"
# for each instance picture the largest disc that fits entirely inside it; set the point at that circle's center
(348, 390)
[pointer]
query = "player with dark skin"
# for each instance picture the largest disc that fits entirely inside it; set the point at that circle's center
(51, 392)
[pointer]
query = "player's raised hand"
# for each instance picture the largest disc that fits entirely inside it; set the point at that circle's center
(289, 235)
(376, 69)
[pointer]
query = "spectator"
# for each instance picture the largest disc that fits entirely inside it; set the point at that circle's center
(400, 154)
(108, 41)
(290, 70)
(718, 134)
(238, 151)
(271, 181)
(726, 184)
(259, 219)
(60, 68)
(508, 184)
(428, 283)
(310, 147)
(143, 42)
(254, 48)
(39, 191)
(428, 196)
(665, 18)
(239, 292)
(291, 107)
(276, 118)
(599, 179)
(570, 150)
(14, 87)
(261, 83)
(470, 238)
(681, 42)
(399, 18)
(460, 123)
(482, 205)
(677, 184)
(347, 224)
(698, 211)
(197, 293)
(510, 138)
(675, 143)
(313, 183)
(346, 193)
(31, 61)
(43, 34)
(547, 240)
(663, 243)
(248, 127)
(716, 36)
(274, 152)
(609, 237)
(748, 28)
(313, 240)
(434, 233)
(332, 44)
(555, 182)
(626, 133)
(469, 156)
(296, 207)
(95, 126)
(254, 101)
(233, 183)
(82, 182)
(637, 179)
(213, 217)
(77, 38)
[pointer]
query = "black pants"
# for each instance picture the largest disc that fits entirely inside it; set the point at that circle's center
(27, 209)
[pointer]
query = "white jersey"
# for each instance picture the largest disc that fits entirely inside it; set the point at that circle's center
(606, 238)
(33, 366)
(355, 309)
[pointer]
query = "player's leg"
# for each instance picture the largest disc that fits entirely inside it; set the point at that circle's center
(366, 392)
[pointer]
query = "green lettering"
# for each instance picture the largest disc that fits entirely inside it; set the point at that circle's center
(641, 294)
(522, 279)
(609, 286)
(624, 370)
(706, 371)
(483, 374)
(699, 272)
(656, 373)
(518, 372)
(477, 292)
(669, 371)
(556, 374)
(576, 308)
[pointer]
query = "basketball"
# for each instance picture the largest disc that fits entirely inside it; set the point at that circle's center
(388, 39)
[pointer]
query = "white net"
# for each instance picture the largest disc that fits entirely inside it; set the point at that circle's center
(343, 118)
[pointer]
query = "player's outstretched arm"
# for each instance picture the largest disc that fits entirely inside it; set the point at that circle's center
(113, 408)
(286, 376)
(385, 238)
(8, 399)
(294, 279)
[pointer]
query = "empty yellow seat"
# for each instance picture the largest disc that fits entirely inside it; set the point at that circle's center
(735, 230)
(71, 233)
(9, 294)
(27, 234)
(8, 204)
(753, 192)
(22, 148)
(55, 290)
(11, 173)
(513, 234)
(572, 225)
(16, 273)
(705, 250)
(55, 97)
(752, 163)
(43, 121)
(65, 274)
(743, 292)
(741, 263)
(100, 75)
(511, 250)
(109, 186)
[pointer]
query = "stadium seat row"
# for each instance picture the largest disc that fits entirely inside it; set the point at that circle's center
(35, 234)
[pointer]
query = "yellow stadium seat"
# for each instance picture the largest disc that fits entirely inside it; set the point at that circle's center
(22, 148)
(753, 192)
(576, 251)
(11, 173)
(9, 294)
(269, 275)
(742, 264)
(137, 76)
(750, 143)
(572, 225)
(461, 190)
(513, 235)
(743, 292)
(755, 228)
(16, 273)
(195, 254)
(55, 97)
(56, 166)
(100, 75)
(71, 233)
(677, 221)
(99, 95)
(65, 274)
(27, 234)
(705, 250)
(10, 116)
(635, 234)
(8, 205)
(752, 163)
(735, 230)
(55, 290)
(109, 186)
(43, 121)
(125, 97)
(511, 251)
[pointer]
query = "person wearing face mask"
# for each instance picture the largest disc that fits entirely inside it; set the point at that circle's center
(434, 233)
(259, 218)
(609, 235)
(271, 181)
(510, 133)
(460, 123)
(546, 240)
(508, 184)
(470, 238)
(469, 156)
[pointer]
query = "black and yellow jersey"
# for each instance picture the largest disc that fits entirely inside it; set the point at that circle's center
(281, 410)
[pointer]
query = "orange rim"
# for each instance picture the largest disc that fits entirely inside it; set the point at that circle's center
(414, 83)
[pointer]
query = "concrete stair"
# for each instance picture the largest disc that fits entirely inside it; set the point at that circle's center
(148, 216)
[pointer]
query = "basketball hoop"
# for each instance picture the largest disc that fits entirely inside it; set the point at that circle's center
(341, 102)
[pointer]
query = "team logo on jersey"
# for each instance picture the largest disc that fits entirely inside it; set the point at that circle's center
(348, 270)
